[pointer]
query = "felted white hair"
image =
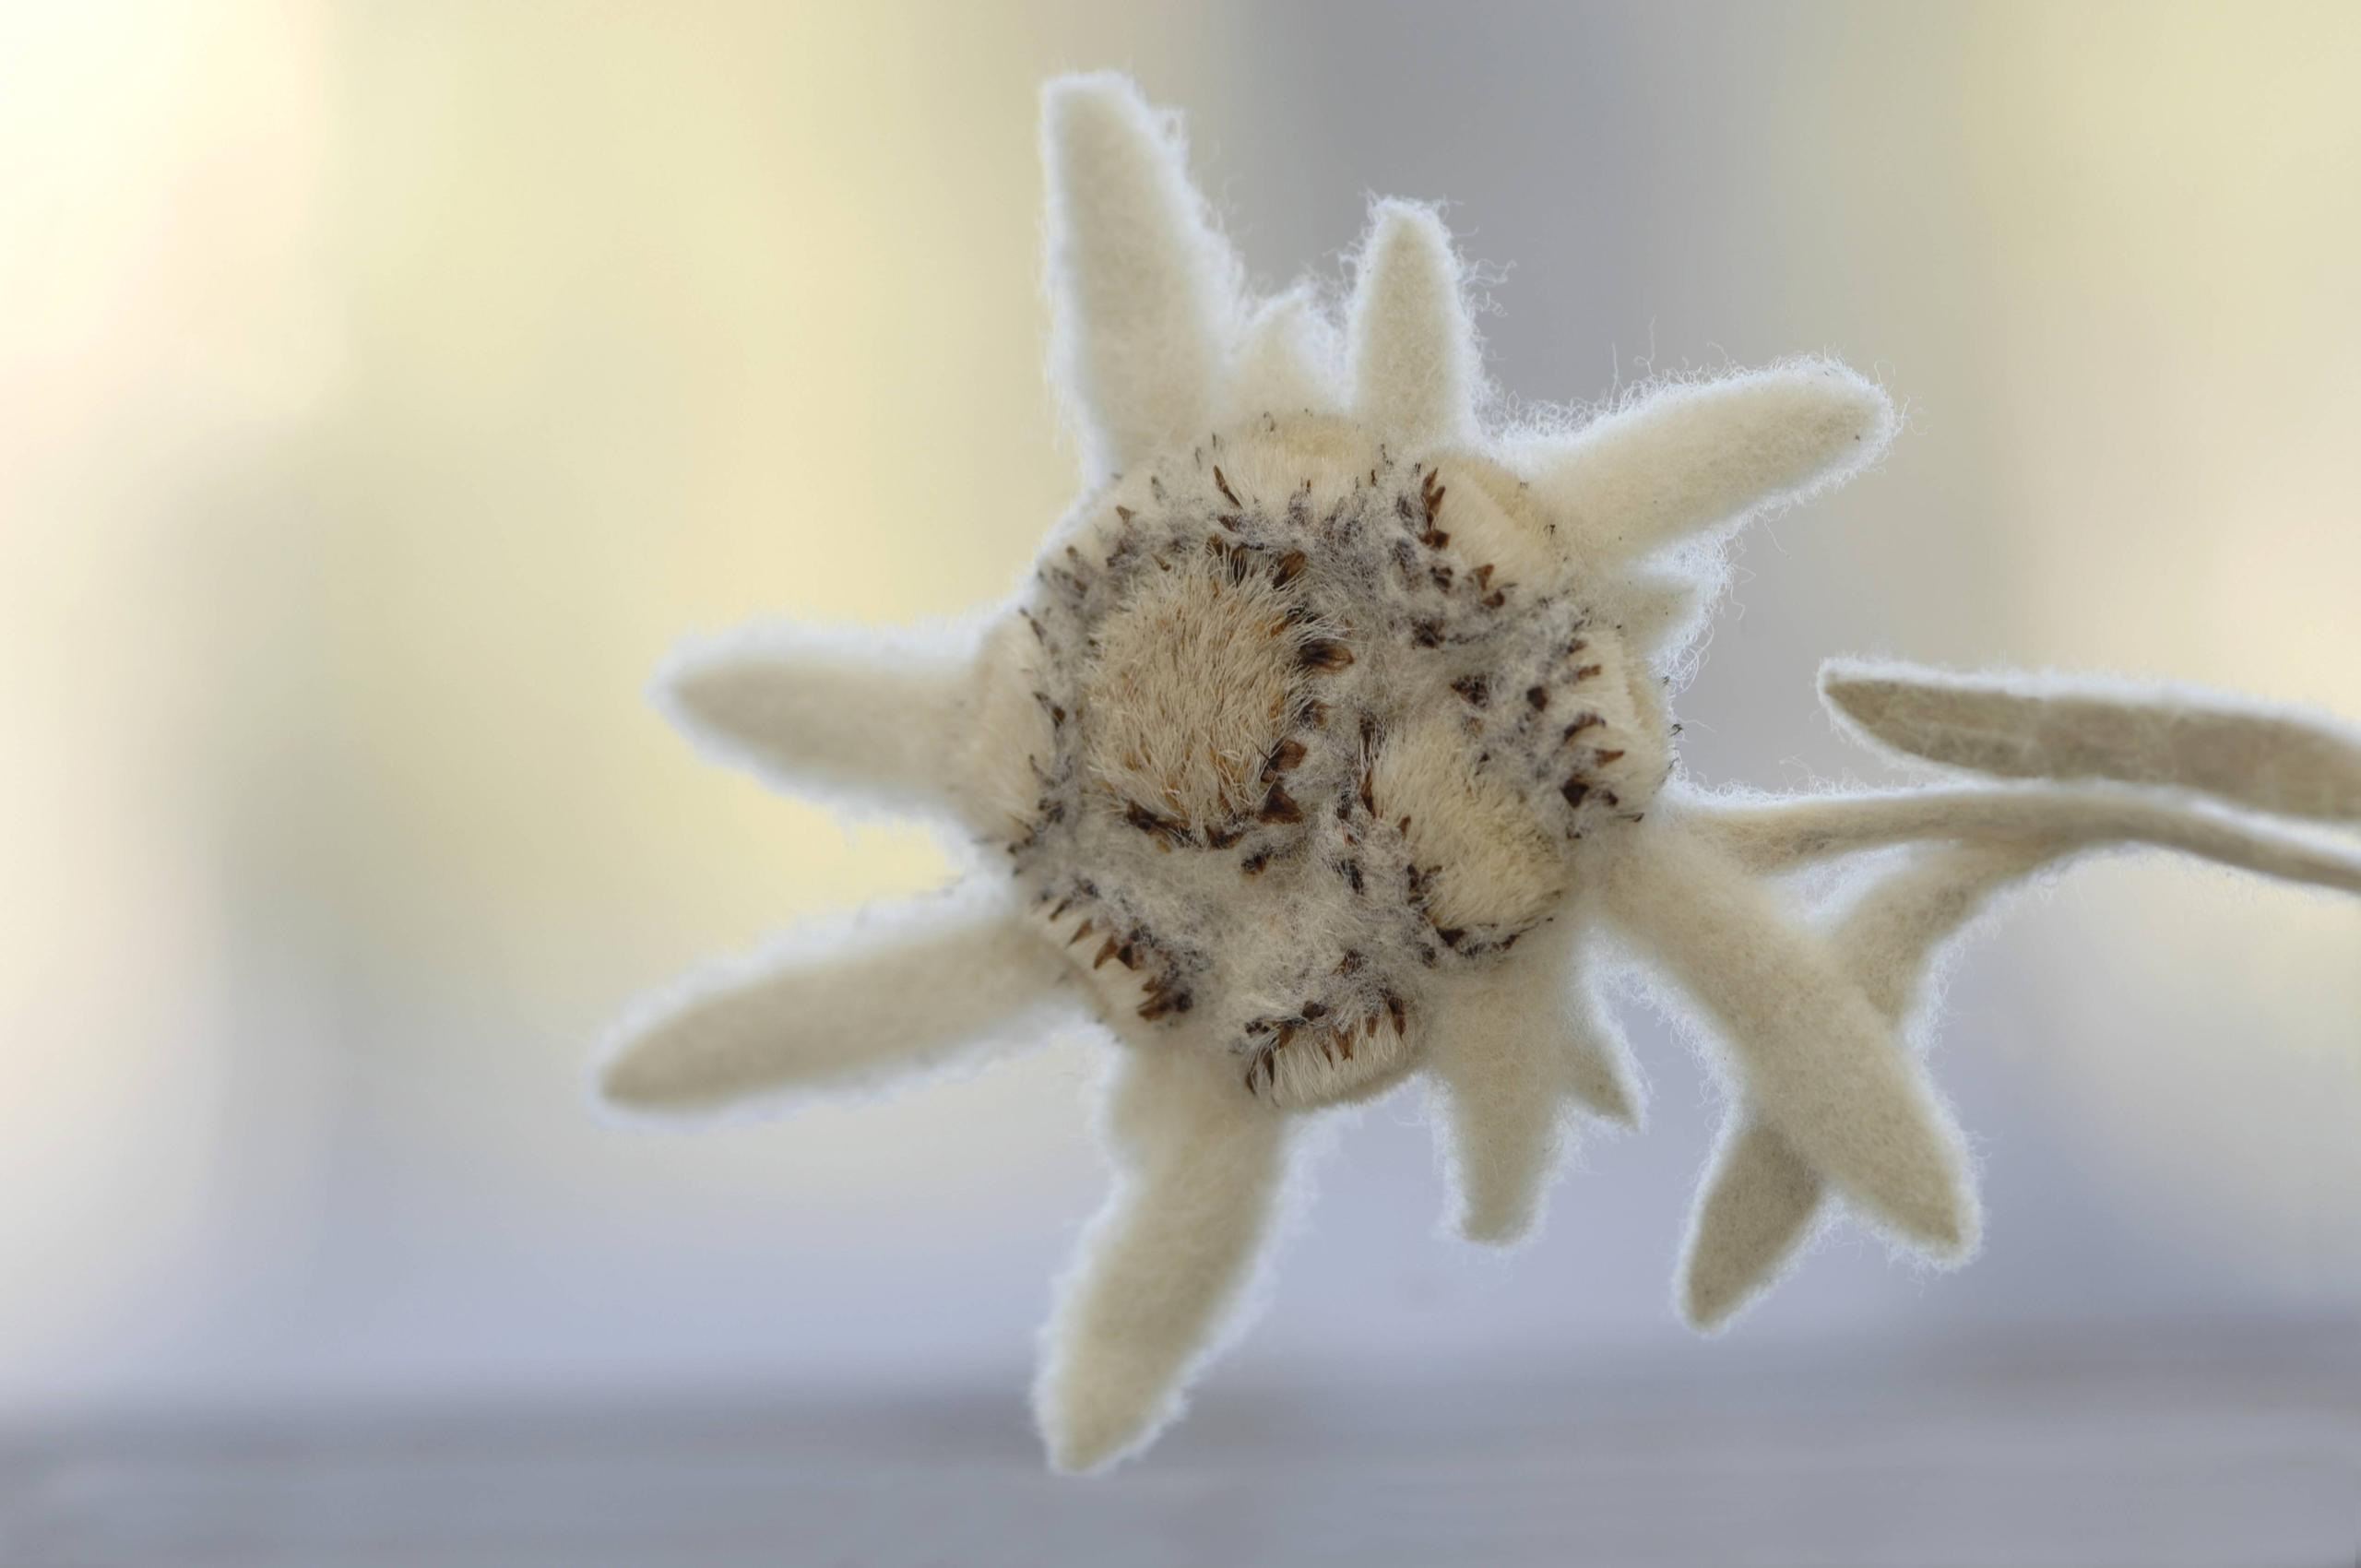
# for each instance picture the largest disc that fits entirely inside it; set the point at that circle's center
(1330, 734)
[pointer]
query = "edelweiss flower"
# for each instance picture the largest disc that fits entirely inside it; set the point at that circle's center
(1330, 732)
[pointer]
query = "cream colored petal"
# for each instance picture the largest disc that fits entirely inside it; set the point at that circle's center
(1762, 1199)
(1164, 1268)
(1777, 834)
(1142, 289)
(1698, 457)
(845, 1004)
(2047, 727)
(1809, 1049)
(1413, 367)
(852, 713)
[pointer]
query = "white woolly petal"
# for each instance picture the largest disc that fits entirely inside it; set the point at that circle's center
(1285, 363)
(1511, 1054)
(1164, 1267)
(1688, 457)
(2020, 726)
(1498, 1051)
(1413, 366)
(1757, 1206)
(1776, 835)
(1811, 1051)
(1761, 1199)
(842, 1005)
(1600, 1075)
(853, 713)
(1142, 288)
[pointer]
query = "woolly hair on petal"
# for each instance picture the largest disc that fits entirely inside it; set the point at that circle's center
(862, 717)
(1685, 457)
(1761, 1199)
(2242, 753)
(848, 1004)
(1329, 746)
(1813, 1054)
(1168, 1262)
(1144, 291)
(1414, 368)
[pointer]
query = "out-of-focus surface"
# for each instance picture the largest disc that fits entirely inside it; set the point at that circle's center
(382, 387)
(2116, 1453)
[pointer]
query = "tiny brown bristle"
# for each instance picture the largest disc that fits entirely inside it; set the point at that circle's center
(1606, 757)
(1105, 953)
(1222, 483)
(1279, 806)
(1324, 654)
(1287, 568)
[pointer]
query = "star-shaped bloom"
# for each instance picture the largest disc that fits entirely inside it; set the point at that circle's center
(1328, 737)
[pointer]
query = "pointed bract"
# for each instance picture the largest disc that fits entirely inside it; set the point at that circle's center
(2159, 736)
(1810, 1051)
(1761, 1199)
(1143, 291)
(1694, 457)
(1600, 1076)
(1413, 366)
(1166, 1264)
(847, 1003)
(1767, 837)
(864, 716)
(1755, 1210)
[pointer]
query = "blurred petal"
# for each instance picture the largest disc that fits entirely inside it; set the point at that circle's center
(1163, 1267)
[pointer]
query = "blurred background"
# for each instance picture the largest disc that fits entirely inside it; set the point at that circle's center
(384, 387)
